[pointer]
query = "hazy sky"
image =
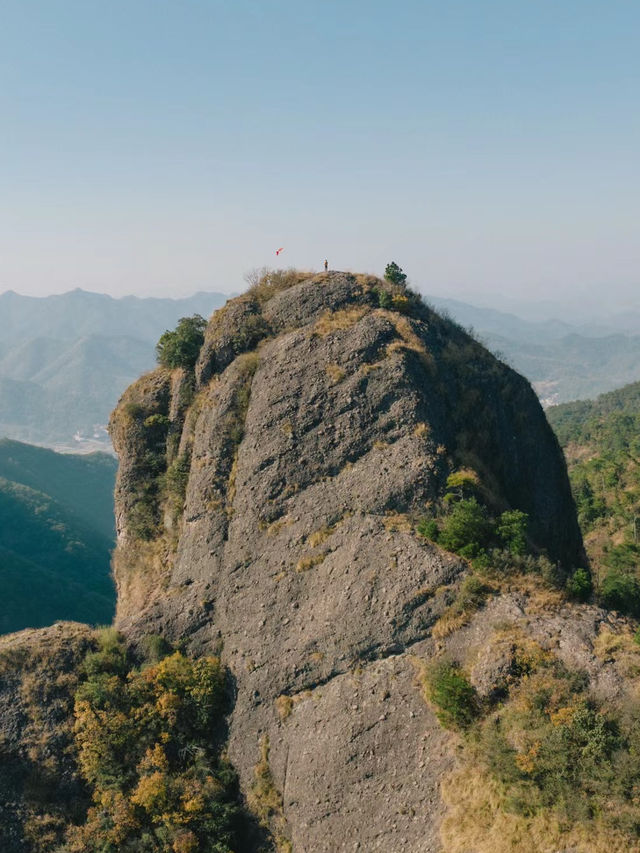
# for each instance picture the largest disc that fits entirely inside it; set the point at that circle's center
(166, 146)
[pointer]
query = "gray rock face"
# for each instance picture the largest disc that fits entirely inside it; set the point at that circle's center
(321, 426)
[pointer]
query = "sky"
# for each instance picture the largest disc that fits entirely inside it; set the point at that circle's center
(160, 147)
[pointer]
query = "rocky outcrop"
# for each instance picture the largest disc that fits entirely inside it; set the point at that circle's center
(324, 417)
(41, 789)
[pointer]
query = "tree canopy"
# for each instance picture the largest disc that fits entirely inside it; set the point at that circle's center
(394, 274)
(181, 347)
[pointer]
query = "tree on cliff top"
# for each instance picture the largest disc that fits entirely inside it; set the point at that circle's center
(394, 274)
(181, 347)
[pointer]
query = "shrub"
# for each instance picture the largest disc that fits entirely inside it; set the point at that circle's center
(385, 299)
(181, 347)
(512, 530)
(176, 477)
(394, 274)
(155, 648)
(579, 585)
(467, 530)
(456, 701)
(462, 484)
(428, 527)
(149, 748)
(621, 591)
(472, 594)
(135, 411)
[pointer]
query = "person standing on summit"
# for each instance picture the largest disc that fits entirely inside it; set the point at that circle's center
(326, 264)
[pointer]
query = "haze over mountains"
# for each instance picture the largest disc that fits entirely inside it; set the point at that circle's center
(563, 360)
(65, 359)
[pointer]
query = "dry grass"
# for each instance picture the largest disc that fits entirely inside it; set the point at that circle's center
(422, 430)
(276, 526)
(370, 367)
(231, 484)
(541, 598)
(284, 706)
(307, 563)
(408, 339)
(265, 800)
(265, 283)
(335, 373)
(335, 321)
(319, 536)
(478, 821)
(142, 571)
(397, 522)
(449, 622)
(380, 445)
(620, 648)
(368, 282)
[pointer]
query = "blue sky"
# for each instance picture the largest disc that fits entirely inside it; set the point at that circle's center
(161, 147)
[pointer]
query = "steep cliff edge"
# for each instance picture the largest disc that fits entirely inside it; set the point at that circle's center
(265, 508)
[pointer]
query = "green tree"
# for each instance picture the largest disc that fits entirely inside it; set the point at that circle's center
(394, 274)
(512, 530)
(181, 347)
(467, 529)
(579, 585)
(621, 591)
(456, 701)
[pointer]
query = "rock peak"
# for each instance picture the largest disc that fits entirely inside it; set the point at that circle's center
(265, 506)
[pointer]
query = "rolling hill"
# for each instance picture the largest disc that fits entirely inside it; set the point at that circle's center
(56, 536)
(65, 360)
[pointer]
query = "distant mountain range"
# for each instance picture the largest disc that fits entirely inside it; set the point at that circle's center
(562, 361)
(56, 536)
(65, 360)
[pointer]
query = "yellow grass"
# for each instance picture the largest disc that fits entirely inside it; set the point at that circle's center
(307, 563)
(334, 321)
(266, 802)
(477, 821)
(368, 368)
(619, 647)
(335, 373)
(397, 522)
(450, 622)
(319, 536)
(277, 525)
(284, 706)
(231, 486)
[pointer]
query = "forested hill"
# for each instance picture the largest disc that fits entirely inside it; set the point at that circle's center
(65, 360)
(56, 536)
(601, 440)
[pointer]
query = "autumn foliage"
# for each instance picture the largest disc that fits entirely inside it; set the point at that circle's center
(149, 744)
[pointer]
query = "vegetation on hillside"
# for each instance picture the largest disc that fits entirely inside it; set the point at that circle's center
(56, 535)
(551, 751)
(547, 761)
(181, 347)
(149, 744)
(601, 441)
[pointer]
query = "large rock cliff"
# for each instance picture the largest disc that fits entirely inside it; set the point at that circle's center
(265, 508)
